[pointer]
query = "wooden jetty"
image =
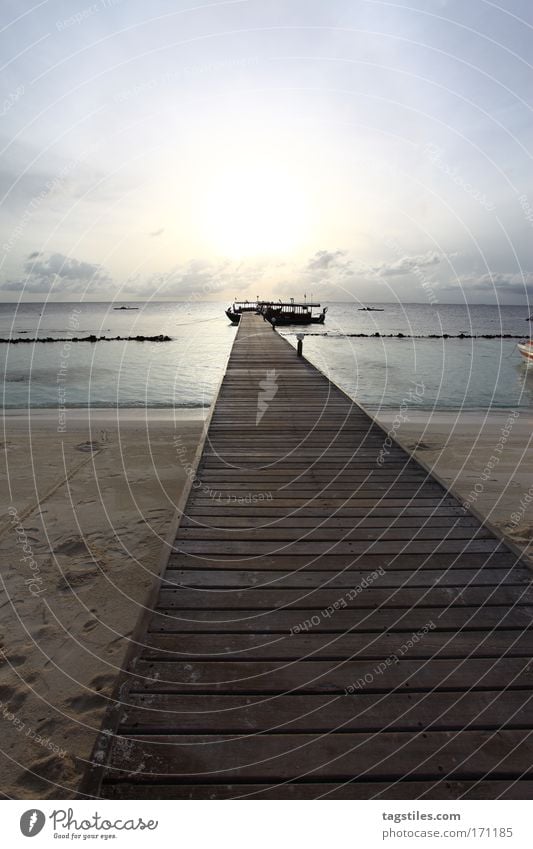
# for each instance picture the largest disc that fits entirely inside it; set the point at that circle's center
(325, 627)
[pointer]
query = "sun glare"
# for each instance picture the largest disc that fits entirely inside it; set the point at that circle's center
(252, 211)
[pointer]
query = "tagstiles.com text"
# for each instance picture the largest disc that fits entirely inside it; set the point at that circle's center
(421, 824)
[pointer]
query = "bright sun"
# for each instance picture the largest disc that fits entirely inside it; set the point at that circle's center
(251, 210)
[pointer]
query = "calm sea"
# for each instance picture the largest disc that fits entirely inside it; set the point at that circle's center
(454, 373)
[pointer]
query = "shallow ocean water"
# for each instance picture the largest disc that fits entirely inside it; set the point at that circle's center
(379, 373)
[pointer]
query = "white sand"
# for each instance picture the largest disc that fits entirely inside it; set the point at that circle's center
(92, 544)
(93, 521)
(486, 459)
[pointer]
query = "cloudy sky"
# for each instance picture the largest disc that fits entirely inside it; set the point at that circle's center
(343, 148)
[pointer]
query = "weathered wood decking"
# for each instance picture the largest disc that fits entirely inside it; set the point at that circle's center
(279, 661)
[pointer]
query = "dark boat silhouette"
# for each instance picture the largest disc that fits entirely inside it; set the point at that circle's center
(238, 307)
(278, 312)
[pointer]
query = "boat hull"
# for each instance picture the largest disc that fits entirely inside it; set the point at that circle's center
(527, 352)
(284, 320)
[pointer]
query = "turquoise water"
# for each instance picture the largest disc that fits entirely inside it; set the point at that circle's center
(450, 374)
(185, 372)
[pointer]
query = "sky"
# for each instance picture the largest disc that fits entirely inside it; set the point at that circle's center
(345, 149)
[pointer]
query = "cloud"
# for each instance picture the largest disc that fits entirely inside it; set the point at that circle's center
(407, 264)
(21, 189)
(59, 273)
(196, 280)
(514, 283)
(337, 262)
(157, 232)
(327, 260)
(199, 280)
(30, 178)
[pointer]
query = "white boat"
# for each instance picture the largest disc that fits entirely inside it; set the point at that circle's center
(526, 349)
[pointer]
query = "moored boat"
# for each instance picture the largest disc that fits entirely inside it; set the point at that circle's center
(282, 313)
(238, 307)
(526, 349)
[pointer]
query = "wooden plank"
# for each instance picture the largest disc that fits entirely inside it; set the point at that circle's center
(363, 712)
(285, 560)
(325, 502)
(323, 532)
(313, 473)
(340, 580)
(439, 789)
(362, 595)
(252, 547)
(341, 621)
(444, 644)
(248, 515)
(395, 488)
(341, 757)
(315, 676)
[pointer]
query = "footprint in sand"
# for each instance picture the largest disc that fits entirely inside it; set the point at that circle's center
(12, 697)
(77, 577)
(423, 446)
(72, 547)
(87, 702)
(12, 659)
(523, 533)
(45, 774)
(88, 447)
(102, 682)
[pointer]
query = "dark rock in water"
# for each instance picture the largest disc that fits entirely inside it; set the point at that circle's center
(92, 338)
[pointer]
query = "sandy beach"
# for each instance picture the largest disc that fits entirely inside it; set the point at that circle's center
(84, 515)
(484, 458)
(89, 510)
